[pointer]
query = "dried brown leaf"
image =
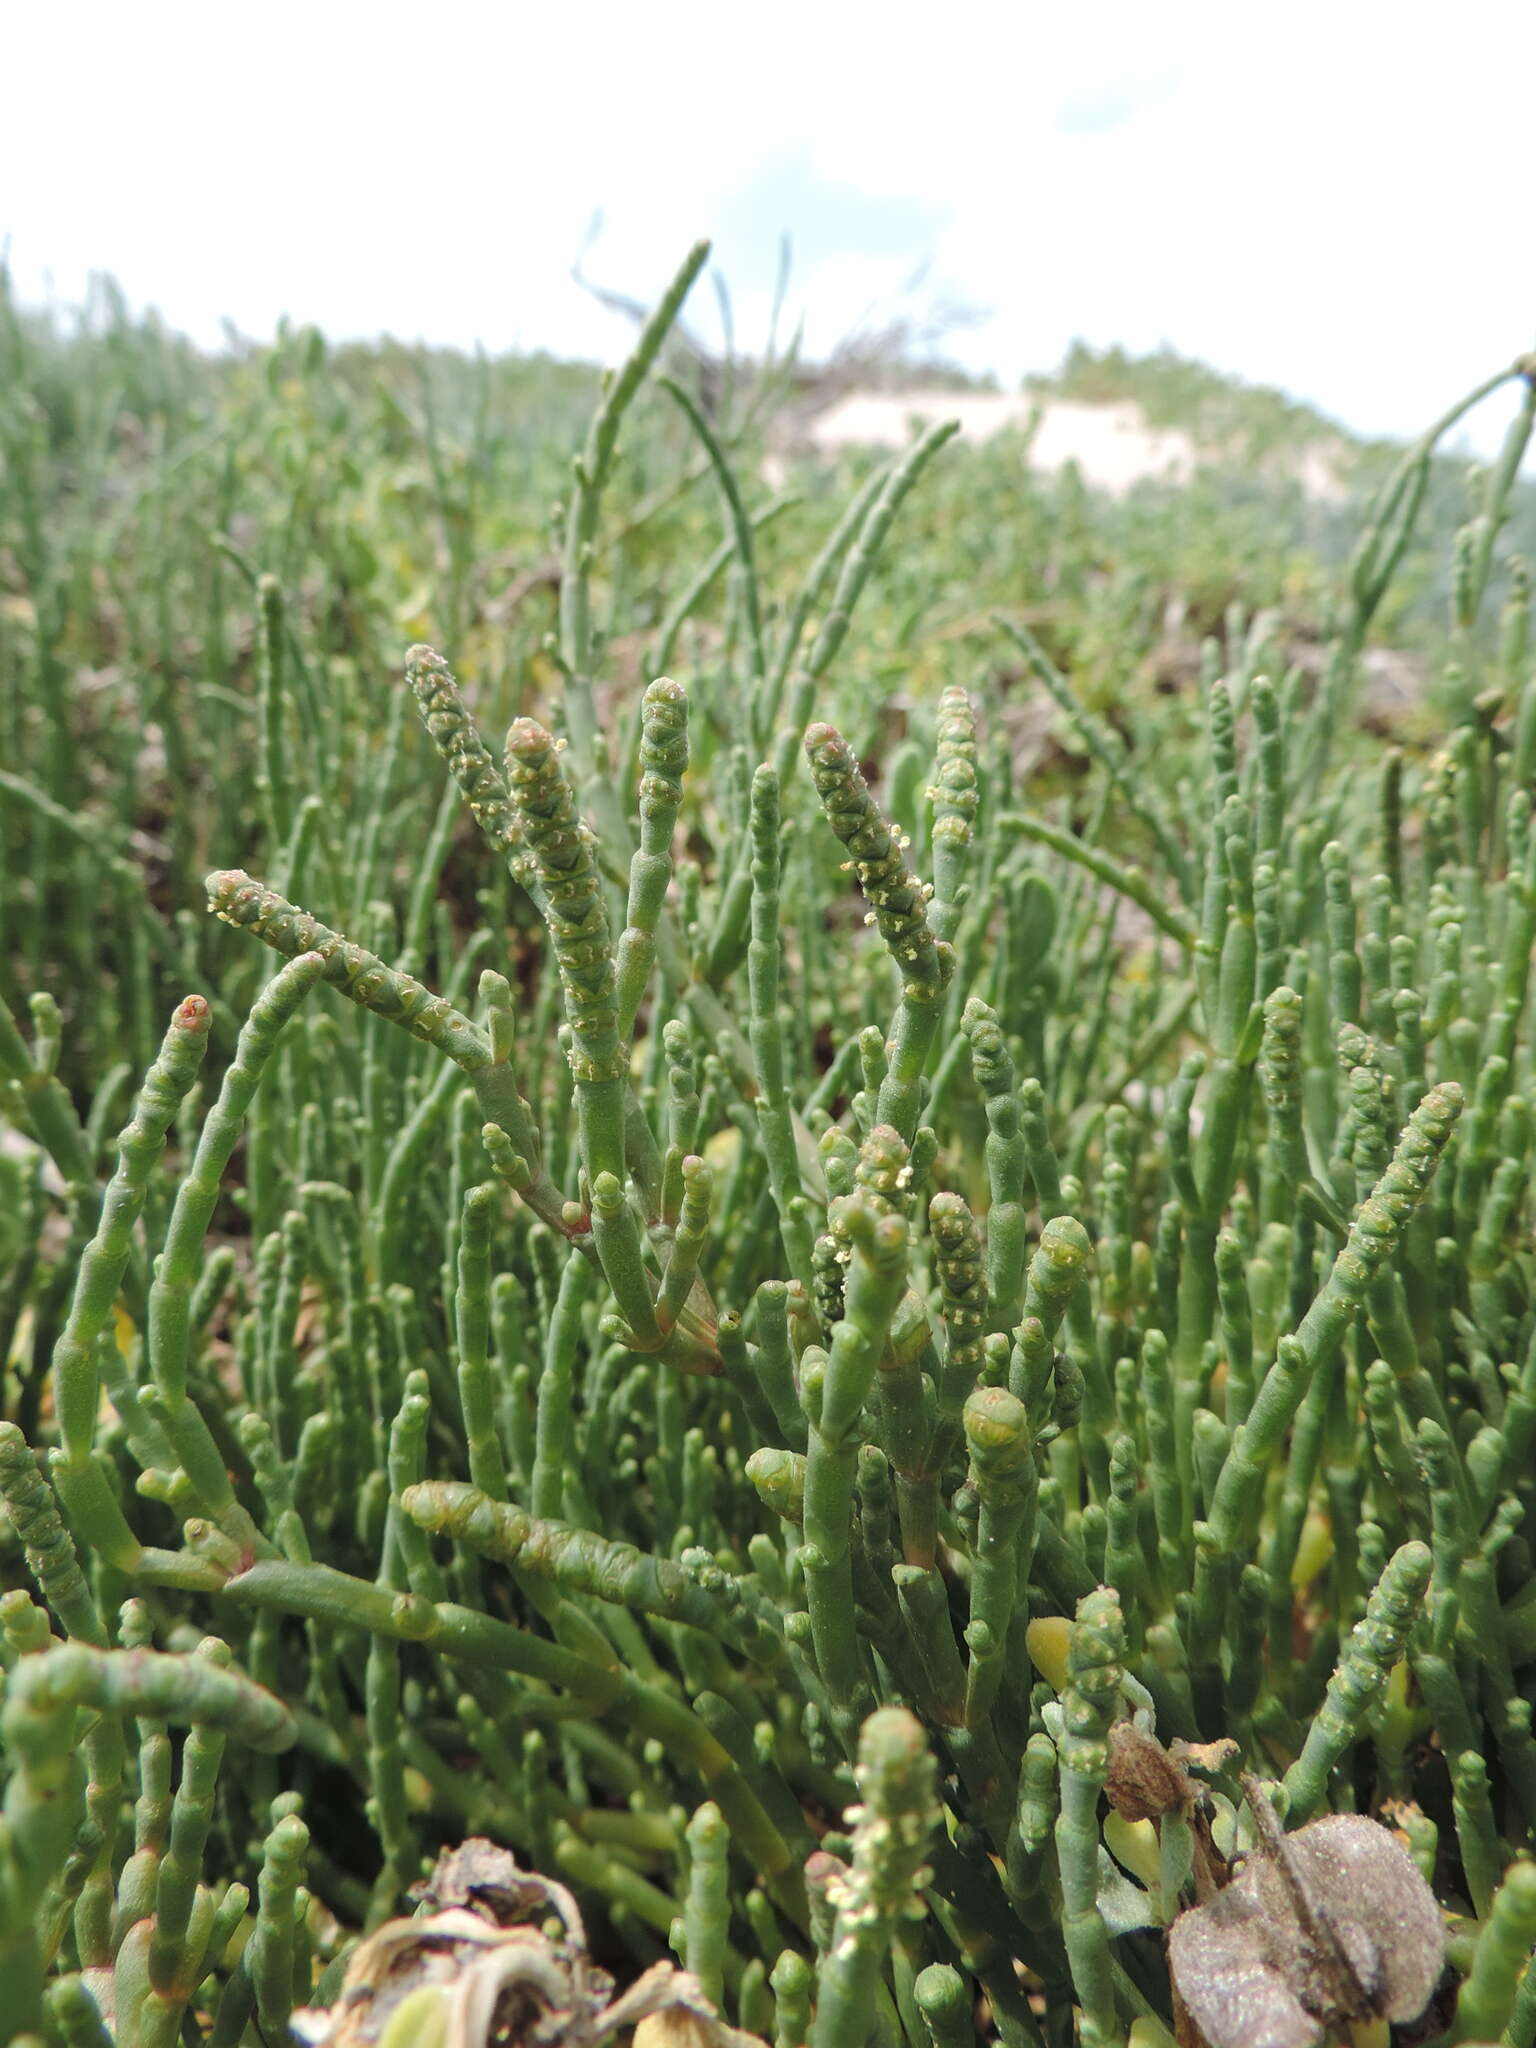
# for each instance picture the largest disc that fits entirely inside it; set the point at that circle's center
(1144, 1781)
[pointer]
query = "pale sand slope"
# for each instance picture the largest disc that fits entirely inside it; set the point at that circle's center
(1112, 445)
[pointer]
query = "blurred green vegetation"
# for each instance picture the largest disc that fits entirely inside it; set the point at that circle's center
(408, 493)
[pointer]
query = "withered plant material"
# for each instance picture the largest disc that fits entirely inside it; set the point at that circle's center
(1328, 1925)
(1147, 1782)
(483, 1878)
(482, 1969)
(1144, 1781)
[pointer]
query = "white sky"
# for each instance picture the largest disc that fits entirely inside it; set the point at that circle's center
(1333, 198)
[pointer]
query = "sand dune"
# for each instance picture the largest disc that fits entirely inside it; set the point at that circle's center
(1112, 445)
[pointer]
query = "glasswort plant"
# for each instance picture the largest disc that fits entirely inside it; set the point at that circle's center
(973, 1481)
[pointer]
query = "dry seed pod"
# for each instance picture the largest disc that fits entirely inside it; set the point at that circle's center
(1328, 1925)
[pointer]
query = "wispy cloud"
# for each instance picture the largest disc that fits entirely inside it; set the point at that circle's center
(1111, 103)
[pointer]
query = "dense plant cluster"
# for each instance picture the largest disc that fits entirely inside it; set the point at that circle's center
(972, 1478)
